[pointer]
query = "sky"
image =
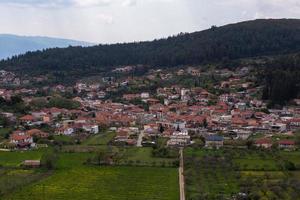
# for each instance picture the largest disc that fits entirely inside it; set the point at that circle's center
(112, 21)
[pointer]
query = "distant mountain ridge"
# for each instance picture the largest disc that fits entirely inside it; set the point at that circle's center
(11, 45)
(263, 37)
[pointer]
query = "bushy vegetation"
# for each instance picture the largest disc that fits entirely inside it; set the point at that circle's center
(15, 104)
(61, 102)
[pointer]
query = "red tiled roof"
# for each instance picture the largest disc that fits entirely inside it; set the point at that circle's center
(287, 142)
(27, 118)
(263, 141)
(294, 120)
(19, 137)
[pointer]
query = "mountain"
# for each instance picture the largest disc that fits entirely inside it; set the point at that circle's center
(11, 45)
(262, 37)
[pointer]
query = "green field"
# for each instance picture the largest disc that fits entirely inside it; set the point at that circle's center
(73, 180)
(11, 159)
(293, 156)
(14, 179)
(144, 156)
(221, 174)
(256, 164)
(100, 139)
(208, 175)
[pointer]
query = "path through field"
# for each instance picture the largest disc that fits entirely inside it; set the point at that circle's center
(140, 139)
(181, 176)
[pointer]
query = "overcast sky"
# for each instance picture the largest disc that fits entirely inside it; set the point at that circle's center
(110, 21)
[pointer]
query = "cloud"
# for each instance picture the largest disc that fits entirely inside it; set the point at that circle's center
(129, 2)
(35, 3)
(110, 21)
(89, 3)
(57, 3)
(107, 19)
(76, 3)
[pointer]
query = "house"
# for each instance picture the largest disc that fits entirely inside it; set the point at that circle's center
(179, 138)
(241, 105)
(21, 139)
(179, 125)
(263, 143)
(184, 91)
(179, 141)
(180, 72)
(47, 119)
(278, 127)
(27, 119)
(94, 129)
(287, 144)
(37, 133)
(214, 141)
(194, 72)
(129, 97)
(65, 131)
(294, 123)
(38, 115)
(145, 95)
(31, 163)
(243, 134)
(297, 101)
(121, 136)
(152, 101)
(151, 132)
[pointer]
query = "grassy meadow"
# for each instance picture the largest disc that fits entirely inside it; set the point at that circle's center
(74, 180)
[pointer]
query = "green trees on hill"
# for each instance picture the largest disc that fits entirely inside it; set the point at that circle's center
(282, 79)
(15, 104)
(247, 39)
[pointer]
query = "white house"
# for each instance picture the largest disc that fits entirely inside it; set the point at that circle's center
(278, 127)
(145, 95)
(94, 129)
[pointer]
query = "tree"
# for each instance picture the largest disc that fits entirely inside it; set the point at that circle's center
(161, 129)
(298, 140)
(288, 165)
(100, 157)
(49, 160)
(249, 144)
(205, 124)
(15, 100)
(260, 37)
(4, 121)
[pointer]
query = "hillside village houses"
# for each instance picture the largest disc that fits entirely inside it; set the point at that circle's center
(180, 114)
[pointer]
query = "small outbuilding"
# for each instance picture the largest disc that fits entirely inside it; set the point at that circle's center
(31, 163)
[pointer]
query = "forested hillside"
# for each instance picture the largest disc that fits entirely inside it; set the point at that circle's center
(282, 79)
(246, 39)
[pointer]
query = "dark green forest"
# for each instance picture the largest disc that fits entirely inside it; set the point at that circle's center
(241, 40)
(281, 78)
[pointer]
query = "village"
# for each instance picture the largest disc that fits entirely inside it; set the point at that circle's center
(149, 100)
(228, 112)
